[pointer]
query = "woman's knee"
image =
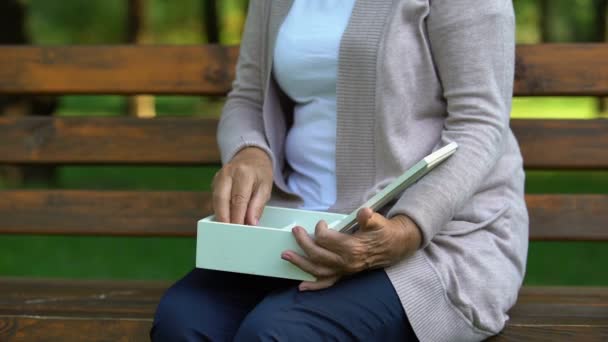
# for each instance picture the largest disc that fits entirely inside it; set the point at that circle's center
(172, 321)
(261, 327)
(201, 306)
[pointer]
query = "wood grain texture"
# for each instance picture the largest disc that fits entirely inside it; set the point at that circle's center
(120, 140)
(545, 144)
(111, 309)
(568, 217)
(80, 298)
(551, 333)
(563, 144)
(544, 69)
(561, 69)
(42, 329)
(122, 213)
(118, 69)
(558, 314)
(540, 305)
(143, 213)
(52, 329)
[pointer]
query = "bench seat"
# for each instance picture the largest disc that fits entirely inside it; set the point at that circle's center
(52, 309)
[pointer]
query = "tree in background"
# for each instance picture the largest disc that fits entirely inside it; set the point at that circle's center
(574, 21)
(13, 31)
(600, 8)
(211, 26)
(141, 106)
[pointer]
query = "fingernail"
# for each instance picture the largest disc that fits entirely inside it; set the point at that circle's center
(285, 256)
(303, 288)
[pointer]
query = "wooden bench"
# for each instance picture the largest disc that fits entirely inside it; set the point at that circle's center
(41, 309)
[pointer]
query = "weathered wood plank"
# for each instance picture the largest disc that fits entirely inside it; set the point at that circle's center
(108, 140)
(80, 298)
(561, 69)
(121, 213)
(16, 328)
(118, 69)
(538, 305)
(549, 69)
(568, 217)
(63, 307)
(133, 213)
(563, 144)
(51, 329)
(545, 144)
(551, 333)
(558, 314)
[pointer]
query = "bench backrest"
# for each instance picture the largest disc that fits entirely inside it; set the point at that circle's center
(559, 69)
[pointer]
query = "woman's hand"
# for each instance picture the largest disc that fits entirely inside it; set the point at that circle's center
(242, 187)
(379, 242)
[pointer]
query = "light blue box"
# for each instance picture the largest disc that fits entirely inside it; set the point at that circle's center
(257, 249)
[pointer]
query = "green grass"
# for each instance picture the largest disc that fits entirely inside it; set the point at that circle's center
(552, 263)
(554, 108)
(96, 257)
(135, 178)
(567, 263)
(116, 105)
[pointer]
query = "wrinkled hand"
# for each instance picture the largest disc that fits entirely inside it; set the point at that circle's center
(242, 187)
(379, 242)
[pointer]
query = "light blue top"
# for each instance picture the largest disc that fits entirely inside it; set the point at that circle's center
(306, 68)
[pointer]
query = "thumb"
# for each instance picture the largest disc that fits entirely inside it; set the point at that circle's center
(369, 220)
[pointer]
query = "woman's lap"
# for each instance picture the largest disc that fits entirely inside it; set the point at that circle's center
(216, 306)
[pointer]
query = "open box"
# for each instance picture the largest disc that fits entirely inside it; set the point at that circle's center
(257, 249)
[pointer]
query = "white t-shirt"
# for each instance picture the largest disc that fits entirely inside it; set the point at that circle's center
(306, 67)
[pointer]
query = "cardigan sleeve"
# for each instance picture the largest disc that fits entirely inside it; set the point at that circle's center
(473, 46)
(241, 123)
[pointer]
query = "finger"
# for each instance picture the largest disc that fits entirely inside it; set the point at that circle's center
(306, 265)
(221, 198)
(256, 204)
(315, 252)
(370, 220)
(239, 199)
(317, 285)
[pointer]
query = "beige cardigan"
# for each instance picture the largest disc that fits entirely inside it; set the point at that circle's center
(413, 75)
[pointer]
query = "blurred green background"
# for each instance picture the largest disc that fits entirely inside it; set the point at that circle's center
(197, 21)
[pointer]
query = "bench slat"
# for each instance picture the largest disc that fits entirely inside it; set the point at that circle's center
(546, 144)
(133, 213)
(517, 333)
(43, 329)
(568, 217)
(563, 144)
(81, 298)
(561, 69)
(118, 69)
(123, 213)
(558, 314)
(120, 140)
(63, 307)
(542, 69)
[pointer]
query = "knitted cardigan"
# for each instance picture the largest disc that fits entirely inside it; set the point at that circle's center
(413, 75)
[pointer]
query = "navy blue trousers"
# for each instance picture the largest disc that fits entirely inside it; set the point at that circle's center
(220, 306)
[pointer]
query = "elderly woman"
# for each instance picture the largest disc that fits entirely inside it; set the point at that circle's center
(332, 101)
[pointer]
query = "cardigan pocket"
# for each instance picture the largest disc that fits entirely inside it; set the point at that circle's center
(461, 225)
